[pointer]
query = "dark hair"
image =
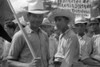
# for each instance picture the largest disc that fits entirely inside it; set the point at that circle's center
(10, 25)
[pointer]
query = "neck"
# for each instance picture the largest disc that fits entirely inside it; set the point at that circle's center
(90, 34)
(35, 29)
(97, 32)
(81, 34)
(64, 29)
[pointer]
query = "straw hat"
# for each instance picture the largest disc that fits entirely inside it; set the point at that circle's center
(61, 12)
(36, 7)
(47, 22)
(80, 20)
(94, 20)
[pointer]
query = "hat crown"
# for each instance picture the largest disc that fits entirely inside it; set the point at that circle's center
(80, 20)
(45, 21)
(35, 5)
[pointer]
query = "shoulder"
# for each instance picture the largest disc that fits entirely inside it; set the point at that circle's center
(18, 35)
(44, 33)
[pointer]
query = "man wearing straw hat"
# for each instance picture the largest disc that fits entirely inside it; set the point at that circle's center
(20, 55)
(68, 47)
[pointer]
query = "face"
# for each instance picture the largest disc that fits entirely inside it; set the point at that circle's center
(48, 29)
(35, 20)
(80, 27)
(94, 26)
(61, 23)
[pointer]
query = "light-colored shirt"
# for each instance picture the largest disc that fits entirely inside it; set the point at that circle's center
(83, 41)
(6, 48)
(68, 49)
(94, 47)
(53, 44)
(20, 50)
(1, 46)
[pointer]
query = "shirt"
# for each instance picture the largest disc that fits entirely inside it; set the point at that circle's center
(83, 41)
(6, 48)
(94, 47)
(20, 50)
(68, 49)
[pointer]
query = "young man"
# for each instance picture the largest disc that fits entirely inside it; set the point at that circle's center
(80, 25)
(92, 53)
(68, 47)
(20, 55)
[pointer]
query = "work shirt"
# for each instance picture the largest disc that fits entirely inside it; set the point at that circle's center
(68, 49)
(53, 44)
(93, 49)
(20, 51)
(83, 41)
(6, 48)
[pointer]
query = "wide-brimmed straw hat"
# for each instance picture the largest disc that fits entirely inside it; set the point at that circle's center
(36, 7)
(47, 22)
(61, 12)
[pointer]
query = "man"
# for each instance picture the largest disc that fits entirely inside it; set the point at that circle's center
(80, 25)
(68, 47)
(20, 55)
(92, 53)
(47, 26)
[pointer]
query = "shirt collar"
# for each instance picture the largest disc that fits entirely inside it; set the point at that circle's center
(29, 30)
(68, 32)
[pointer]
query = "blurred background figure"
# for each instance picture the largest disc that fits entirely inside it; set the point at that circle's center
(10, 29)
(89, 29)
(48, 27)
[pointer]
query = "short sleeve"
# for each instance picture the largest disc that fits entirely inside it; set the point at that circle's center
(16, 46)
(88, 50)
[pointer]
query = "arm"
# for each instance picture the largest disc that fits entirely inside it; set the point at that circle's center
(12, 63)
(15, 49)
(34, 63)
(87, 55)
(59, 56)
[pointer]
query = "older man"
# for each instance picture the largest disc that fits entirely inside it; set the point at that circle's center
(20, 55)
(68, 48)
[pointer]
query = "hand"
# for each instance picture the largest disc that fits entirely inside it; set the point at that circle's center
(35, 63)
(91, 62)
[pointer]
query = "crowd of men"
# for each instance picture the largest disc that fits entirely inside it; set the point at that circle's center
(58, 38)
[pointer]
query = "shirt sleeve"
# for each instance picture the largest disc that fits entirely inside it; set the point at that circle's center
(68, 48)
(16, 46)
(60, 50)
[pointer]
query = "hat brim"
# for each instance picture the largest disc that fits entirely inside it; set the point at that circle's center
(39, 12)
(61, 12)
(49, 24)
(80, 22)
